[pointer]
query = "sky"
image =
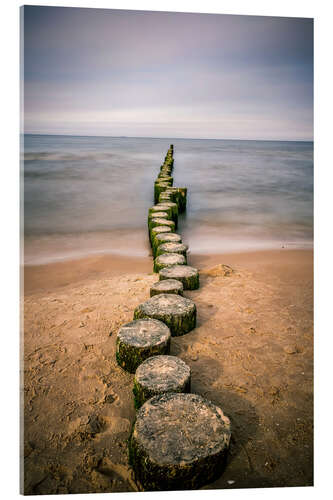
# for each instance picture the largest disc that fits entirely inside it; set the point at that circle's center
(167, 74)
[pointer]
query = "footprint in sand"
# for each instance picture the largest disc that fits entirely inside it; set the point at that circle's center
(110, 398)
(87, 427)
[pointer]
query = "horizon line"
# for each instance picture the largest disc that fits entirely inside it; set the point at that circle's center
(176, 138)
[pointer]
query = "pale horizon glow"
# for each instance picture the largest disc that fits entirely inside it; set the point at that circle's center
(159, 74)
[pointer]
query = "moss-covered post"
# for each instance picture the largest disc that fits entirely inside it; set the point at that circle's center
(167, 286)
(158, 375)
(140, 339)
(165, 238)
(188, 275)
(158, 215)
(161, 208)
(164, 197)
(178, 195)
(172, 248)
(156, 231)
(167, 260)
(159, 221)
(177, 312)
(163, 177)
(179, 442)
(174, 209)
(159, 187)
(182, 198)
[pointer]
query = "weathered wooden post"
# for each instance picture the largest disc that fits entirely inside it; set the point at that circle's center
(188, 275)
(167, 286)
(172, 248)
(165, 238)
(191, 438)
(161, 208)
(140, 339)
(160, 374)
(167, 260)
(177, 312)
(159, 221)
(174, 209)
(156, 231)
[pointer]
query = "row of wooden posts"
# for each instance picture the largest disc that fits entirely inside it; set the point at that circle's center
(163, 459)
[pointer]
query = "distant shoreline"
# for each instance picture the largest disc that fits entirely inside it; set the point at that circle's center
(165, 138)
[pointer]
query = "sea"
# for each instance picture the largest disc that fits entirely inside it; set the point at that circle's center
(84, 196)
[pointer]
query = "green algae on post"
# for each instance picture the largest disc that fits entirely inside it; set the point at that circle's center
(178, 195)
(165, 169)
(171, 247)
(167, 260)
(174, 209)
(167, 286)
(177, 312)
(163, 177)
(140, 339)
(164, 197)
(182, 198)
(174, 195)
(159, 187)
(156, 231)
(164, 238)
(160, 374)
(158, 215)
(191, 438)
(156, 221)
(188, 275)
(161, 208)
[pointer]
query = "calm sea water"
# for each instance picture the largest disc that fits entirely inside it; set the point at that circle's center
(90, 195)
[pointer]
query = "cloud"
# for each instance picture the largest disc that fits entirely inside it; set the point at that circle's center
(154, 73)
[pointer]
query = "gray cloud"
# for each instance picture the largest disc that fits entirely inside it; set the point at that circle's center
(89, 71)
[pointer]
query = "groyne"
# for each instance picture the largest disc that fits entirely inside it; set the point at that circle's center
(179, 440)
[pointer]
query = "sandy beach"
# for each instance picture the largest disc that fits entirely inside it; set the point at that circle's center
(144, 132)
(251, 354)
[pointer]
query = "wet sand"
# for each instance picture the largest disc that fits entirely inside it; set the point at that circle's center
(251, 353)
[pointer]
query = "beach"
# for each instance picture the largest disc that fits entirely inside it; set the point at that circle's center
(166, 251)
(251, 354)
(87, 265)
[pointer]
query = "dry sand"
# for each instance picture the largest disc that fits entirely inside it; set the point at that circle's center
(251, 354)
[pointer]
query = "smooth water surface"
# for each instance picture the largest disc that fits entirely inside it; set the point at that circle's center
(89, 195)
